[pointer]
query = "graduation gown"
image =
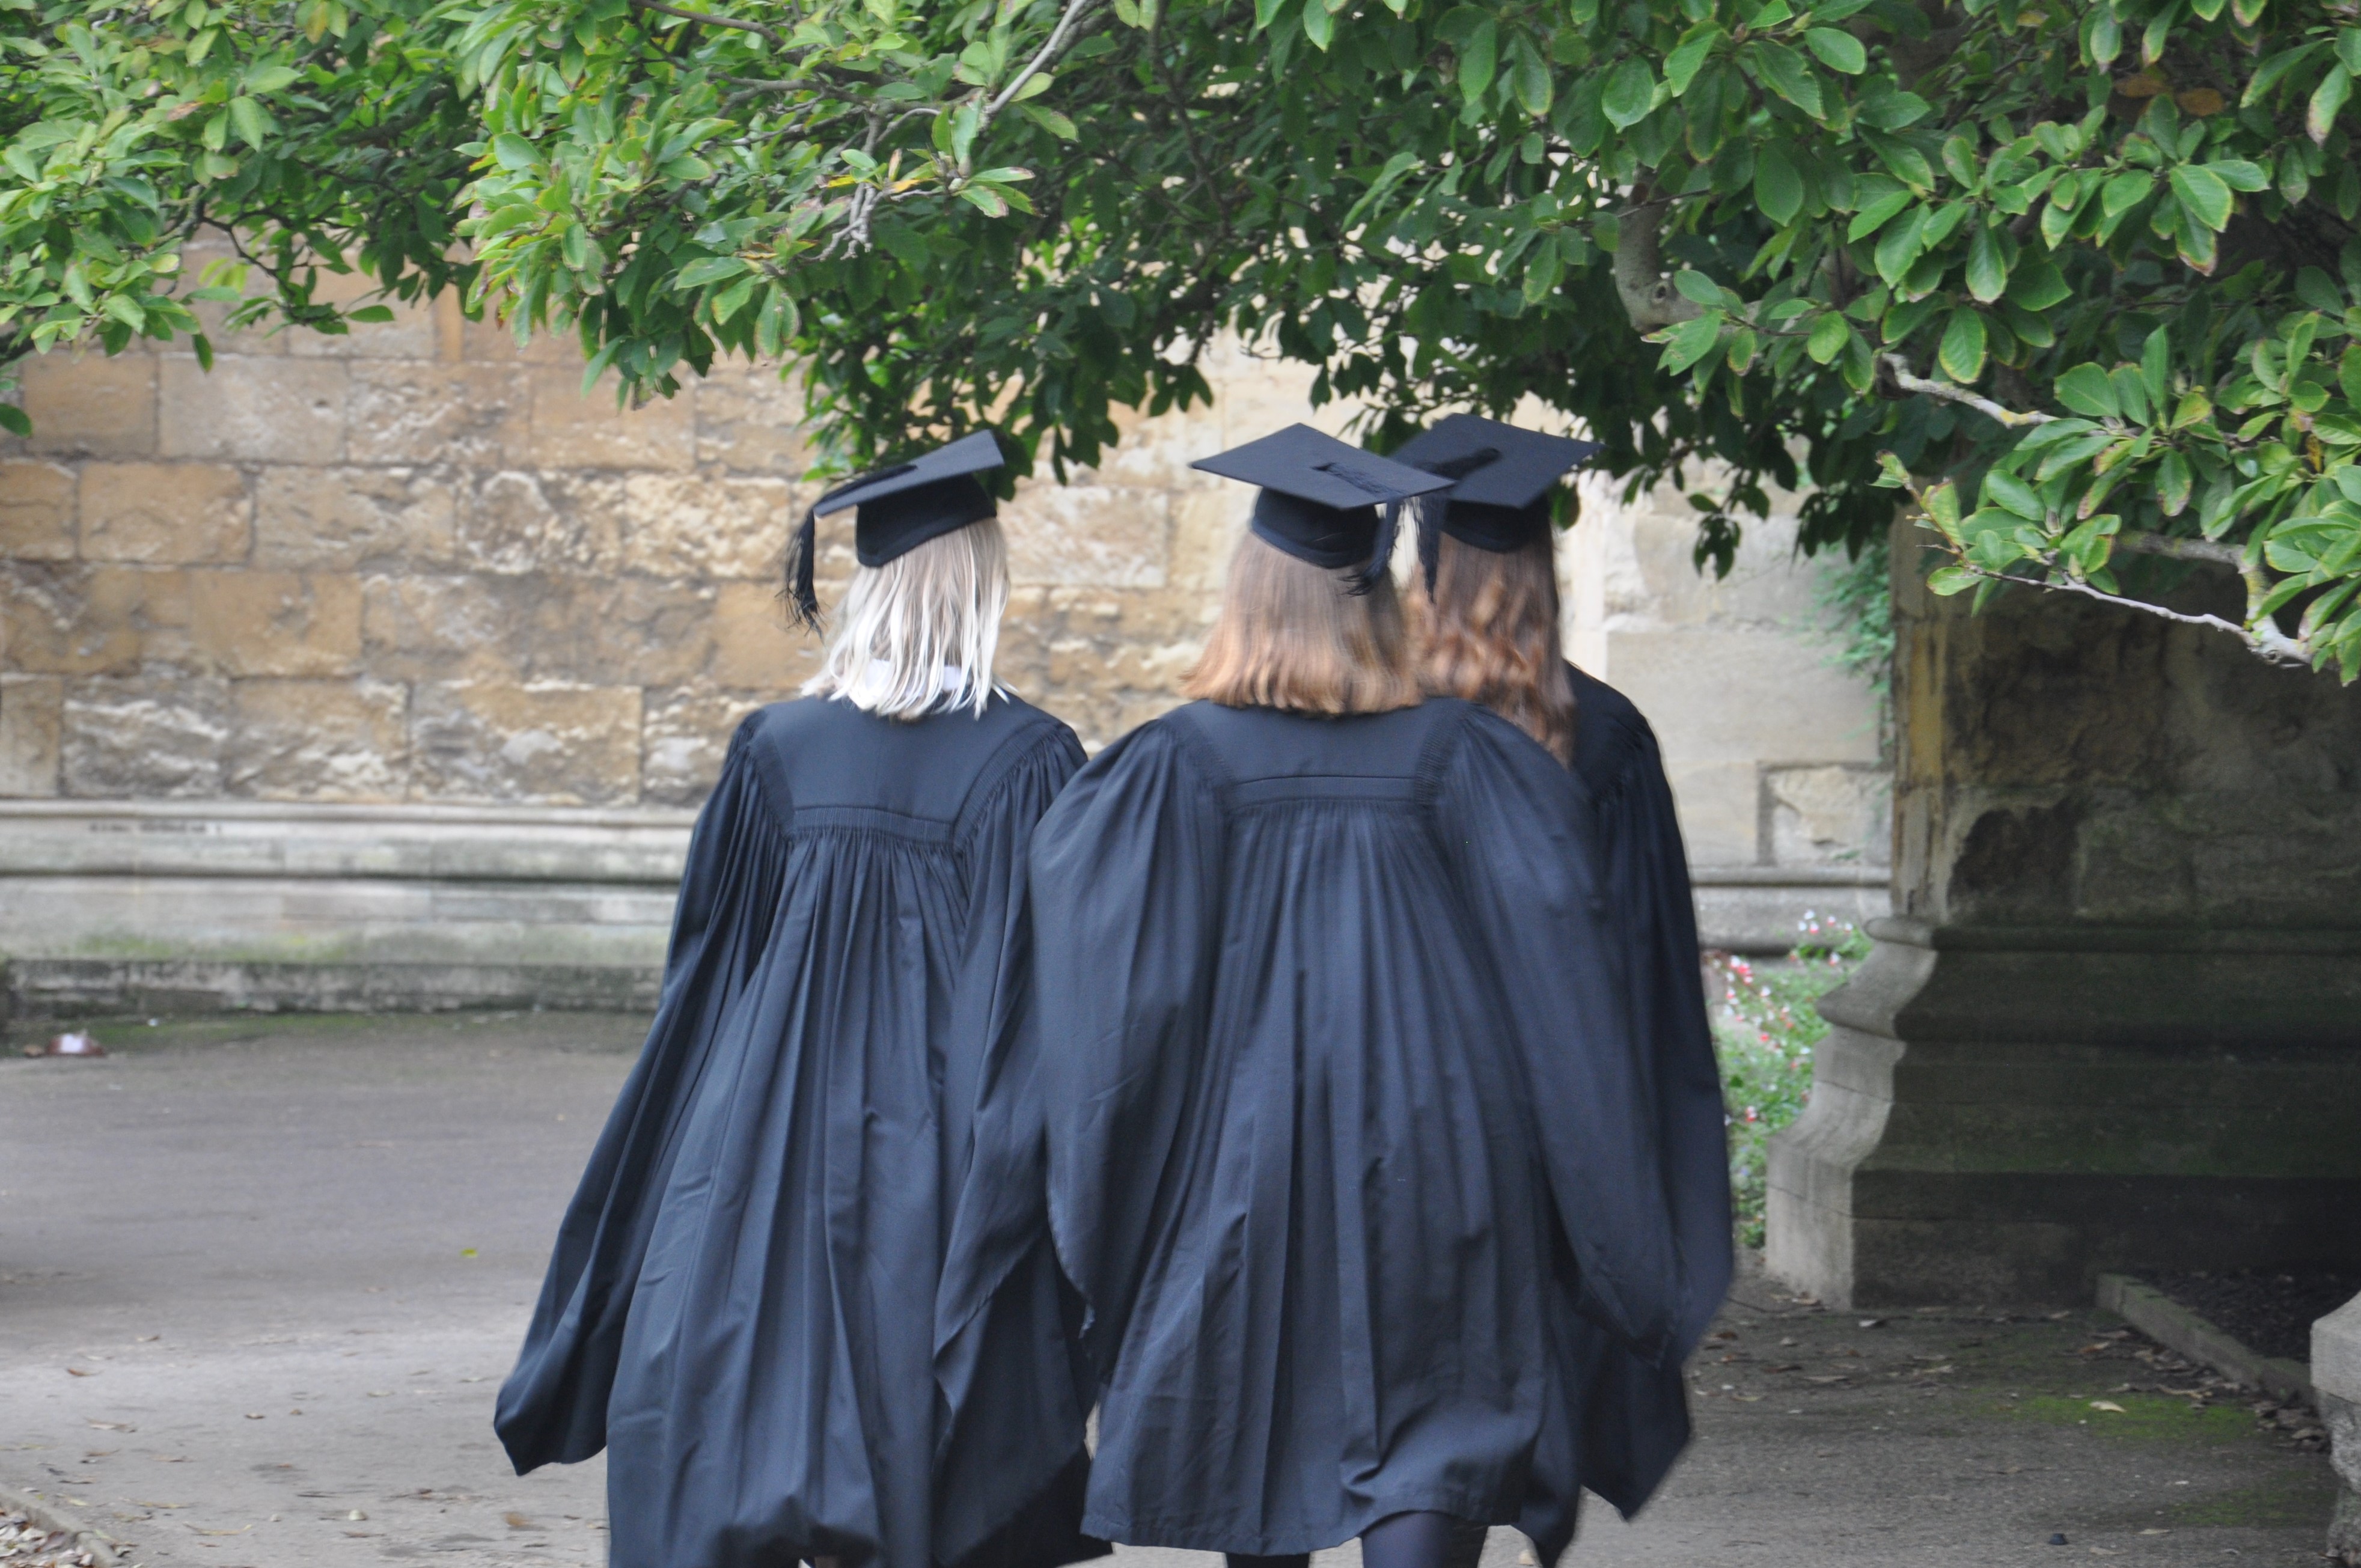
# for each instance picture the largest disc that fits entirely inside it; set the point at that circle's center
(741, 1306)
(1628, 1418)
(1339, 1102)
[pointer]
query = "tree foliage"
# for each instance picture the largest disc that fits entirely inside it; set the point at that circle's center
(2078, 282)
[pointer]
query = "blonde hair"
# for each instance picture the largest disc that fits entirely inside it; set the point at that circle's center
(1291, 637)
(917, 635)
(1492, 635)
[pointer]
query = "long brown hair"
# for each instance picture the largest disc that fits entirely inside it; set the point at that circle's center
(1290, 636)
(1492, 638)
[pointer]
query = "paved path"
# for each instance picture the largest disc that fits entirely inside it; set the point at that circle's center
(258, 1279)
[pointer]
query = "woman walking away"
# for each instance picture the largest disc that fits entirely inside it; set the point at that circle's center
(1486, 547)
(741, 1308)
(1338, 1096)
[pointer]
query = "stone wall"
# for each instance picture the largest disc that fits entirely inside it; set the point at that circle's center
(334, 581)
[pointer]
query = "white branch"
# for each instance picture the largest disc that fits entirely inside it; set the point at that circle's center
(1908, 382)
(1048, 51)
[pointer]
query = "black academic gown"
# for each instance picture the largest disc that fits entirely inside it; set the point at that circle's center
(1340, 1103)
(1629, 1416)
(741, 1308)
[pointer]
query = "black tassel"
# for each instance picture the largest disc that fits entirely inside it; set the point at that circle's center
(1381, 559)
(803, 603)
(1431, 510)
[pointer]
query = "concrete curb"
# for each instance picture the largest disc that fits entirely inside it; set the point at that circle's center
(2168, 1323)
(100, 1548)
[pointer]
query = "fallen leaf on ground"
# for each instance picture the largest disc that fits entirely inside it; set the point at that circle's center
(2108, 1405)
(79, 1372)
(518, 1521)
(113, 1426)
(254, 1415)
(145, 1503)
(239, 1531)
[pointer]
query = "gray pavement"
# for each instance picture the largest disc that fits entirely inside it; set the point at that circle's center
(259, 1278)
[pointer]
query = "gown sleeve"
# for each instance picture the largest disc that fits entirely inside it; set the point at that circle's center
(553, 1409)
(1508, 810)
(1009, 1462)
(1644, 879)
(1128, 881)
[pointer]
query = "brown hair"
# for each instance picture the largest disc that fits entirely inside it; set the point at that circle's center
(1491, 637)
(1290, 636)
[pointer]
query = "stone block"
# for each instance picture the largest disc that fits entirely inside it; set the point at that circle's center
(634, 630)
(750, 421)
(572, 430)
(37, 512)
(411, 334)
(413, 411)
(1829, 815)
(71, 619)
(1156, 451)
(417, 627)
(703, 525)
(754, 651)
(31, 713)
(253, 409)
(516, 520)
(275, 623)
(1088, 535)
(684, 735)
(1737, 693)
(165, 513)
(345, 519)
(1206, 528)
(145, 736)
(328, 741)
(553, 742)
(93, 407)
(1721, 809)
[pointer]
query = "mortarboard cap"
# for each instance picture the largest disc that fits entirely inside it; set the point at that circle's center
(1324, 502)
(1502, 477)
(901, 507)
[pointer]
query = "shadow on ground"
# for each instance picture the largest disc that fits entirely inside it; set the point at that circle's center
(260, 1277)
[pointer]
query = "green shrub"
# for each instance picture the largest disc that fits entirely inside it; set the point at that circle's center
(1764, 1027)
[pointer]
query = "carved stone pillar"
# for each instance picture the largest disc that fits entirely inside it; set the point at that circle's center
(2116, 1020)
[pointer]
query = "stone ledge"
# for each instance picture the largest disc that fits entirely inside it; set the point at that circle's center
(2176, 1328)
(53, 987)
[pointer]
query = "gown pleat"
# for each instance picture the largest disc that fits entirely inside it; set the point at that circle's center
(1340, 1101)
(741, 1304)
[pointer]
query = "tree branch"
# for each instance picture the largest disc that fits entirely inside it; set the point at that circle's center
(2213, 552)
(770, 34)
(1649, 298)
(1909, 382)
(2263, 638)
(1048, 51)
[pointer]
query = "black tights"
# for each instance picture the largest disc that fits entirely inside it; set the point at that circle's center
(1402, 1541)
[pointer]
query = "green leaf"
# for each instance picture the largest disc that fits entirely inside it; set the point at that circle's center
(2008, 490)
(513, 153)
(1681, 65)
(370, 314)
(2327, 98)
(1899, 247)
(15, 420)
(1837, 50)
(1778, 189)
(2204, 194)
(253, 122)
(2173, 481)
(1631, 94)
(1894, 111)
(1690, 342)
(2126, 190)
(1049, 120)
(2038, 285)
(2156, 368)
(1945, 581)
(708, 270)
(993, 202)
(2086, 390)
(1786, 72)
(2240, 175)
(1872, 217)
(1987, 267)
(1479, 58)
(1827, 339)
(1962, 351)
